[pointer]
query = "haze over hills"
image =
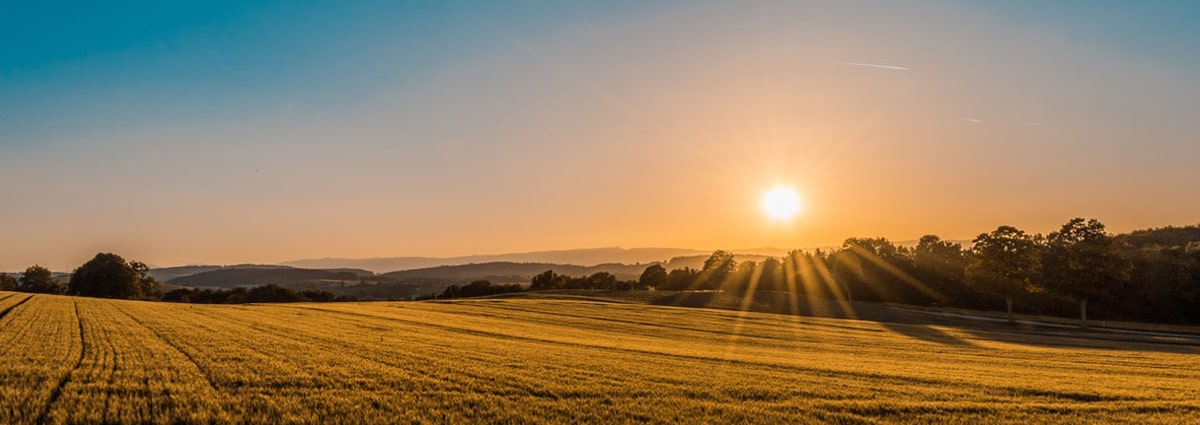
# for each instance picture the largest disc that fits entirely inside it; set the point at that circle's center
(400, 284)
(586, 257)
(578, 257)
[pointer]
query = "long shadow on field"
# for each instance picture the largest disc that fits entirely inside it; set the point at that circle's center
(785, 303)
(926, 333)
(1074, 338)
(915, 324)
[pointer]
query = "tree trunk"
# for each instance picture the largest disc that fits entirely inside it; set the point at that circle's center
(1083, 313)
(1010, 312)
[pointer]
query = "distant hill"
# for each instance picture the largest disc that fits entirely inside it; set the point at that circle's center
(232, 277)
(167, 274)
(394, 285)
(1163, 236)
(510, 272)
(581, 257)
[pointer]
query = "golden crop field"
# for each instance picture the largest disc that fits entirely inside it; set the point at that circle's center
(82, 360)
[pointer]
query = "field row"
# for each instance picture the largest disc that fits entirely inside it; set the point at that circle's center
(78, 360)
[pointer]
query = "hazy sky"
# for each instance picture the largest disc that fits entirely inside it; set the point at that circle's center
(230, 132)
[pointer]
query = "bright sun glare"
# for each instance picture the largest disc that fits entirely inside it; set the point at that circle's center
(781, 203)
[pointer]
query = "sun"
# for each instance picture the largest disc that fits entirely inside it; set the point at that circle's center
(781, 203)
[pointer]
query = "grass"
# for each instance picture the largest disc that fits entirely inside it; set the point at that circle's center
(569, 360)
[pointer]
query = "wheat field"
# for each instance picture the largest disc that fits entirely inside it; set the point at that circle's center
(82, 360)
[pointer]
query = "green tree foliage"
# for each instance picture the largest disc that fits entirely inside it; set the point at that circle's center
(1083, 261)
(1003, 263)
(40, 280)
(655, 276)
(7, 283)
(108, 275)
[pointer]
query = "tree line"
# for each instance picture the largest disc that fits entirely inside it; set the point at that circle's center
(108, 275)
(1146, 275)
(1150, 275)
(259, 294)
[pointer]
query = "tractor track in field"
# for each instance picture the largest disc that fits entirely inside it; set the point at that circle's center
(322, 344)
(203, 372)
(489, 334)
(57, 392)
(11, 307)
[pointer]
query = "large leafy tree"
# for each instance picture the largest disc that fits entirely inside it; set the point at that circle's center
(655, 276)
(109, 276)
(941, 264)
(719, 267)
(1083, 261)
(875, 269)
(7, 283)
(681, 279)
(601, 280)
(1004, 262)
(546, 280)
(771, 277)
(38, 279)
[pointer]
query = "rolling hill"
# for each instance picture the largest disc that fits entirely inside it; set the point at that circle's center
(232, 277)
(395, 285)
(583, 257)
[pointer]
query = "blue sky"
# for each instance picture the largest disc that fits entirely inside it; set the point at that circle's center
(224, 132)
(66, 65)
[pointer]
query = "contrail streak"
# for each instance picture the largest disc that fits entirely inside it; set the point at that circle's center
(875, 65)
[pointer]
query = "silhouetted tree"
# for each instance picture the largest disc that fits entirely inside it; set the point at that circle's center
(1003, 262)
(770, 276)
(847, 274)
(7, 283)
(545, 280)
(108, 275)
(809, 273)
(181, 295)
(875, 269)
(1082, 261)
(743, 273)
(601, 280)
(479, 288)
(654, 276)
(261, 294)
(681, 279)
(1164, 285)
(273, 294)
(941, 264)
(717, 268)
(317, 296)
(40, 280)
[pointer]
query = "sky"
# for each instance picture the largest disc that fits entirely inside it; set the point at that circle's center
(255, 132)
